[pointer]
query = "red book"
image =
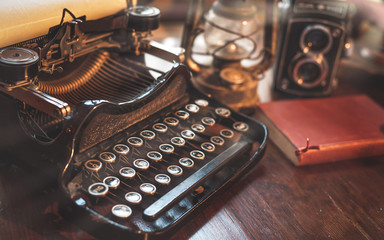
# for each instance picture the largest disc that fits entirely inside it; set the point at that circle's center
(310, 131)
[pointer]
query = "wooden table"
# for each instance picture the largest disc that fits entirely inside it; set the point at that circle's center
(275, 200)
(343, 200)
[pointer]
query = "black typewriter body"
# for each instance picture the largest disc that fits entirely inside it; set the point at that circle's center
(141, 150)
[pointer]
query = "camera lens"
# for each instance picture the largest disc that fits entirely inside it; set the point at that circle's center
(309, 72)
(316, 38)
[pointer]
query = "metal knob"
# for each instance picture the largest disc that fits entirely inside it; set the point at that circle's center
(143, 18)
(18, 65)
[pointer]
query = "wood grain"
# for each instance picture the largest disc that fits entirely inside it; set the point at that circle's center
(275, 200)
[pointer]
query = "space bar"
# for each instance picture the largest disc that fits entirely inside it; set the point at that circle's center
(192, 182)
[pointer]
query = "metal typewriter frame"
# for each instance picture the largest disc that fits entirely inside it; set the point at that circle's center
(57, 157)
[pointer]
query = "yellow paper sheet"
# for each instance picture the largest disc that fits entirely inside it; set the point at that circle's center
(21, 20)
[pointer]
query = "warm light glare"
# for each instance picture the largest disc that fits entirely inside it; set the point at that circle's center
(319, 59)
(232, 47)
(300, 81)
(347, 45)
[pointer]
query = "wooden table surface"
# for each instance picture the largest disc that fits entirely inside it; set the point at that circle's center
(275, 200)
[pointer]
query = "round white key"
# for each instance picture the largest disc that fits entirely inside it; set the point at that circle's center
(162, 178)
(111, 181)
(135, 141)
(141, 164)
(93, 165)
(148, 188)
(107, 157)
(133, 197)
(121, 211)
(201, 102)
(121, 149)
(186, 162)
(175, 170)
(127, 172)
(98, 189)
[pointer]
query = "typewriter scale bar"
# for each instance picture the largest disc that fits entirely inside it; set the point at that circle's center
(152, 175)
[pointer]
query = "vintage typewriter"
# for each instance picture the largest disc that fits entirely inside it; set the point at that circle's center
(136, 149)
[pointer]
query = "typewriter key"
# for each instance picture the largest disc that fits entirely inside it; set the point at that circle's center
(147, 134)
(162, 178)
(167, 148)
(133, 197)
(121, 149)
(186, 162)
(160, 127)
(141, 164)
(193, 108)
(182, 114)
(240, 126)
(198, 128)
(201, 102)
(154, 155)
(127, 172)
(208, 121)
(98, 189)
(93, 165)
(226, 133)
(223, 112)
(217, 140)
(135, 141)
(107, 157)
(171, 121)
(175, 170)
(148, 188)
(121, 211)
(197, 154)
(188, 134)
(207, 146)
(111, 181)
(178, 141)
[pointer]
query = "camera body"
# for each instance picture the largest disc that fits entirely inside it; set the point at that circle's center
(311, 43)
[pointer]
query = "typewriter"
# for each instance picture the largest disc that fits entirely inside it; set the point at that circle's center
(114, 117)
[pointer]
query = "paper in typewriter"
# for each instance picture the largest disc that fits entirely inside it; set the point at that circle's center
(22, 20)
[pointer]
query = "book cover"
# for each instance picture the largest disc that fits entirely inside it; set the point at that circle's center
(310, 131)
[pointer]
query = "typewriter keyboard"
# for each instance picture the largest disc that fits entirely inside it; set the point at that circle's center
(144, 171)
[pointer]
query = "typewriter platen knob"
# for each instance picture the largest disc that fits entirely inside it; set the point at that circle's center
(18, 65)
(143, 18)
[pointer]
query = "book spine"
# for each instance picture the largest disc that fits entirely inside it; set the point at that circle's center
(342, 151)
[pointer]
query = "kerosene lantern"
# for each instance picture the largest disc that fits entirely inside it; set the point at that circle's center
(229, 48)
